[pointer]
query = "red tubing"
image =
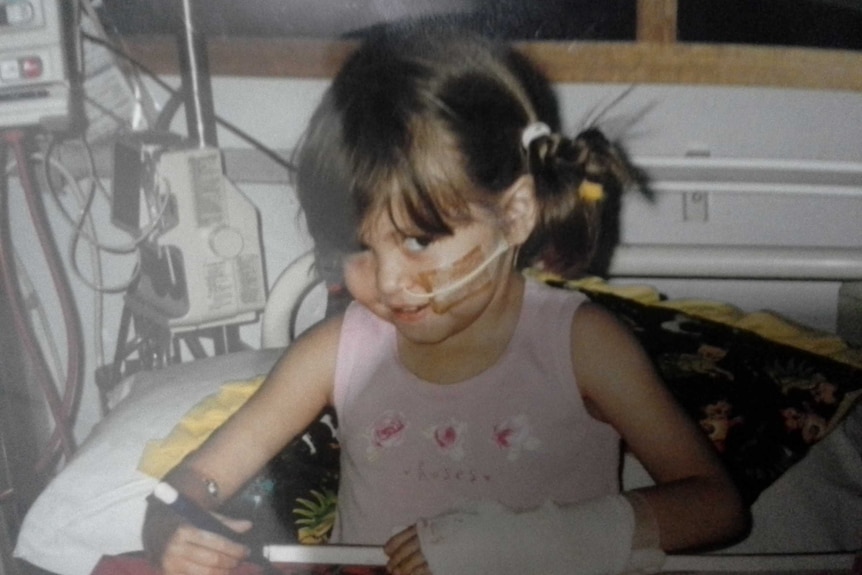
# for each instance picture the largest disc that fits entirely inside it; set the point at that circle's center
(62, 409)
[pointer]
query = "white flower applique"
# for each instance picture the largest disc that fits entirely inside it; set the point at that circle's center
(386, 432)
(514, 435)
(449, 438)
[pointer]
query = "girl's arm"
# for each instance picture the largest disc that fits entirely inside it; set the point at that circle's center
(694, 502)
(293, 394)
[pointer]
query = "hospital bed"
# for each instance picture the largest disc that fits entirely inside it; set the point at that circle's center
(792, 434)
(777, 400)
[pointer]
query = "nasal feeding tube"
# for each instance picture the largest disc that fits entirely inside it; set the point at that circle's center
(446, 286)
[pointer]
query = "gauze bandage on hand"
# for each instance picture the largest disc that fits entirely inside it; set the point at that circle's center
(590, 538)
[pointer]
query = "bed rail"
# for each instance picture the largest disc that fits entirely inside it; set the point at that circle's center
(814, 179)
(740, 262)
(752, 176)
(786, 563)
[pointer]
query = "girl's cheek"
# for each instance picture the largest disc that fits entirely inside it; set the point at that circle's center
(360, 277)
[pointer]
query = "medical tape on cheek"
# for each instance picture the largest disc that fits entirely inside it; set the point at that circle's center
(466, 276)
(441, 280)
(455, 283)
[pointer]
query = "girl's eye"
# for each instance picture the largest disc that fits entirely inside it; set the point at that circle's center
(418, 243)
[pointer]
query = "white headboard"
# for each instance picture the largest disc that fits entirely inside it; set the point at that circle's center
(278, 325)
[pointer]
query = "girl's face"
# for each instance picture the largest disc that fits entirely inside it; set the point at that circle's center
(429, 287)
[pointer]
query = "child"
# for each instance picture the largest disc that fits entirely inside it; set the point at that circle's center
(480, 412)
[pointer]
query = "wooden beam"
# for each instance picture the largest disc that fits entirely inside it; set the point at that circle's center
(656, 21)
(699, 64)
(578, 62)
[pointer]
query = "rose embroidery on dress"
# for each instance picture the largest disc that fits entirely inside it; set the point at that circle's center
(387, 431)
(449, 438)
(514, 435)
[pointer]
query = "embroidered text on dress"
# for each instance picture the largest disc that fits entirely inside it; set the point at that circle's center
(425, 472)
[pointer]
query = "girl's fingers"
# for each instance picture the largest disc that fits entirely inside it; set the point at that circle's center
(194, 551)
(399, 539)
(238, 525)
(413, 564)
(180, 548)
(222, 545)
(405, 554)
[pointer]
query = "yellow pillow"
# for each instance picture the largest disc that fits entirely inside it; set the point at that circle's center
(161, 455)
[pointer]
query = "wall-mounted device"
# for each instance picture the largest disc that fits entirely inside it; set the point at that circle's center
(201, 262)
(34, 69)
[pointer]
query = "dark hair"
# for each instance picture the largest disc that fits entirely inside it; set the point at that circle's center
(421, 122)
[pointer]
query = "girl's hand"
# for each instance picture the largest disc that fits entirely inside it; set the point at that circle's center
(178, 547)
(191, 550)
(405, 554)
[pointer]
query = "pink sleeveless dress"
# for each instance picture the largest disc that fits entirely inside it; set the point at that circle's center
(517, 434)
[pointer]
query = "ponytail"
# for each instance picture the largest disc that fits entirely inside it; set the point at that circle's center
(578, 185)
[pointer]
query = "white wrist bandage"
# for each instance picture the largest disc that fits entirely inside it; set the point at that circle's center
(590, 538)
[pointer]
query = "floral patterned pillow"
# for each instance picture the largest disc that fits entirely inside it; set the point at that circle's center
(293, 499)
(762, 402)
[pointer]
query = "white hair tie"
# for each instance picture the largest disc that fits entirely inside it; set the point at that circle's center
(533, 131)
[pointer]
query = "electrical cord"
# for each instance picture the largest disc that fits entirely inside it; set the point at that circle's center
(84, 228)
(62, 408)
(32, 301)
(108, 112)
(89, 235)
(85, 222)
(145, 110)
(260, 146)
(122, 249)
(84, 204)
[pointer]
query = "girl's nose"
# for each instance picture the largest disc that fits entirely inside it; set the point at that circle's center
(391, 276)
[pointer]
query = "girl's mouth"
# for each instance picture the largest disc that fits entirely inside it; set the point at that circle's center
(408, 314)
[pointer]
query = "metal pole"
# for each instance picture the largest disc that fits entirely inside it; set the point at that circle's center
(200, 114)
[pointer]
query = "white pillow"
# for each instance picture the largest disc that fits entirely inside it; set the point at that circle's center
(816, 506)
(95, 506)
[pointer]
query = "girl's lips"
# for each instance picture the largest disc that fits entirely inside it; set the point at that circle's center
(408, 314)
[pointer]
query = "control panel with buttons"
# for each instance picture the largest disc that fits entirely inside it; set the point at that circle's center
(34, 71)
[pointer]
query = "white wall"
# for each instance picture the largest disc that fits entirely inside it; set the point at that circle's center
(661, 121)
(745, 124)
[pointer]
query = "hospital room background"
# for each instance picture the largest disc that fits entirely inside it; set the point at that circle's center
(753, 163)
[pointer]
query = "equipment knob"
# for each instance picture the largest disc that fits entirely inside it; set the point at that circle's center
(226, 242)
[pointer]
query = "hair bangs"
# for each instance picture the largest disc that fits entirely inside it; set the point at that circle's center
(424, 189)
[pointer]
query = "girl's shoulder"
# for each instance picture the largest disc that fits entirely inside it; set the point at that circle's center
(593, 325)
(586, 316)
(552, 304)
(316, 348)
(537, 291)
(605, 350)
(548, 314)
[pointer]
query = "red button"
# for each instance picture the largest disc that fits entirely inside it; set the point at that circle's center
(31, 67)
